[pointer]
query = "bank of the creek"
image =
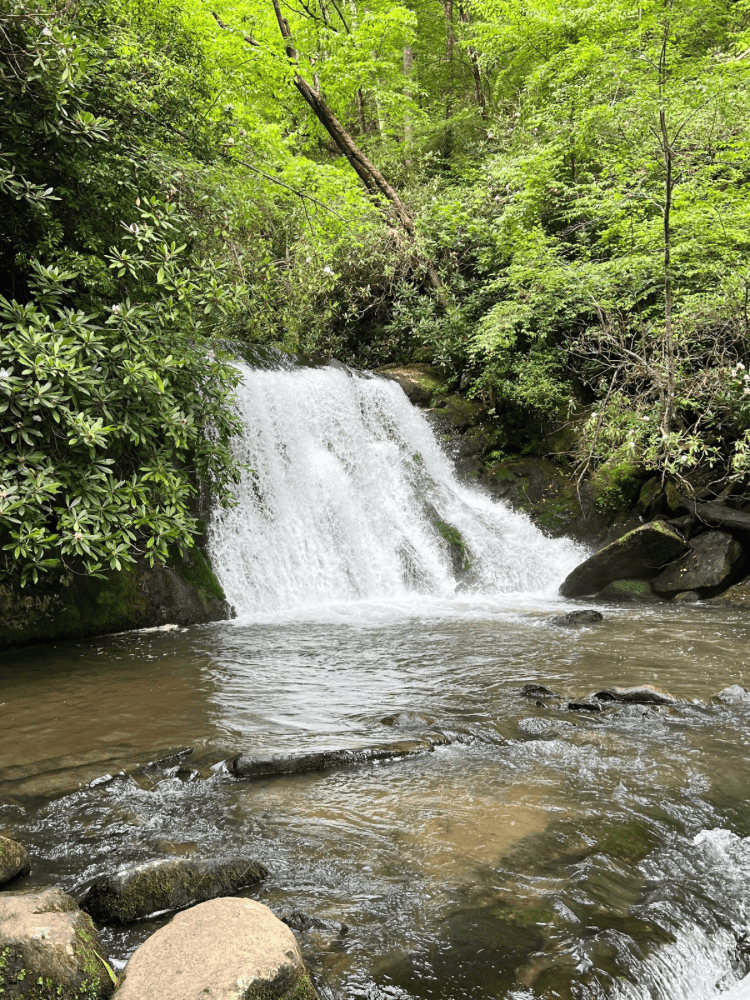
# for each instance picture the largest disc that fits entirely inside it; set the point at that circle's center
(361, 732)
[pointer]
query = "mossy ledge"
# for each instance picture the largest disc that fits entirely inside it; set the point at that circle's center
(184, 593)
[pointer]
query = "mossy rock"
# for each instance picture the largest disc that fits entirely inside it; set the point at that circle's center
(629, 590)
(134, 597)
(424, 385)
(616, 486)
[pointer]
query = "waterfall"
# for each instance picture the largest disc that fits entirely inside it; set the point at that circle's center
(350, 498)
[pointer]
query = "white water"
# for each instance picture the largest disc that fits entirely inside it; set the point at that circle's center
(340, 506)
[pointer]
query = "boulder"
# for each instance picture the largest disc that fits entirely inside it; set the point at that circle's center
(578, 618)
(226, 949)
(167, 884)
(14, 860)
(641, 554)
(736, 596)
(263, 765)
(710, 562)
(45, 936)
(735, 694)
(644, 695)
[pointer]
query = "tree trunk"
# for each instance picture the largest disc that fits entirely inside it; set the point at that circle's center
(367, 172)
(475, 68)
(450, 45)
(408, 135)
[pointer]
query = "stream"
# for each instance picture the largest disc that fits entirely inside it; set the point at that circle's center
(541, 852)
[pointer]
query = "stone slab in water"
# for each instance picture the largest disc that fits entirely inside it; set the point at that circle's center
(264, 765)
(46, 934)
(640, 554)
(167, 884)
(14, 860)
(226, 949)
(710, 562)
(643, 695)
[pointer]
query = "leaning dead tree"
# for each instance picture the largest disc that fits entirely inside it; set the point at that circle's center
(368, 173)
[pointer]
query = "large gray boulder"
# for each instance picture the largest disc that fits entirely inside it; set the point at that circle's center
(641, 554)
(710, 562)
(167, 884)
(44, 935)
(226, 949)
(14, 860)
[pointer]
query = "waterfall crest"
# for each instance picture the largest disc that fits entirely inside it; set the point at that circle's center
(351, 498)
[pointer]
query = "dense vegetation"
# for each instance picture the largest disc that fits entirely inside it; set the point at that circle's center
(549, 201)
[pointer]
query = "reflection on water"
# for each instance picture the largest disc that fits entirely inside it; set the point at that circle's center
(543, 852)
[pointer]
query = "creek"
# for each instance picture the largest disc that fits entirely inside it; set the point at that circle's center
(542, 852)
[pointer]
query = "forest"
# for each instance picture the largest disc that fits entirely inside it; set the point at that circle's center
(546, 201)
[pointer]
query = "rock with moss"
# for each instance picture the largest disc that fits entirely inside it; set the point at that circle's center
(14, 860)
(226, 949)
(629, 590)
(134, 597)
(737, 596)
(49, 948)
(708, 565)
(641, 554)
(167, 884)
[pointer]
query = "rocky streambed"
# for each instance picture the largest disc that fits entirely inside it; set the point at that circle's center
(471, 799)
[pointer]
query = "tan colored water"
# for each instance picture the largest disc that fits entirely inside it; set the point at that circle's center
(562, 863)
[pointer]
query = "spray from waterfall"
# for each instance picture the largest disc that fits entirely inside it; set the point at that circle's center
(351, 498)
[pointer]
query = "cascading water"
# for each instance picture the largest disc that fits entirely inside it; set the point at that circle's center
(351, 498)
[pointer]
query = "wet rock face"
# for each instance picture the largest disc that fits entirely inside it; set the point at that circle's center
(167, 884)
(14, 860)
(261, 766)
(710, 562)
(226, 949)
(44, 935)
(640, 554)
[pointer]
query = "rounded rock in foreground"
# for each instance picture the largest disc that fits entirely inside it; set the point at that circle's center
(45, 937)
(225, 949)
(14, 860)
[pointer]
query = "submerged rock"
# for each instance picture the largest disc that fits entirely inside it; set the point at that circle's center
(735, 694)
(710, 562)
(644, 695)
(578, 618)
(45, 936)
(263, 765)
(640, 554)
(538, 691)
(584, 706)
(168, 884)
(14, 860)
(300, 921)
(536, 727)
(225, 949)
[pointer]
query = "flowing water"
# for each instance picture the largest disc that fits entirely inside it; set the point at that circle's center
(542, 852)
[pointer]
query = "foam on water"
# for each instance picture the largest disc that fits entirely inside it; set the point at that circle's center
(347, 484)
